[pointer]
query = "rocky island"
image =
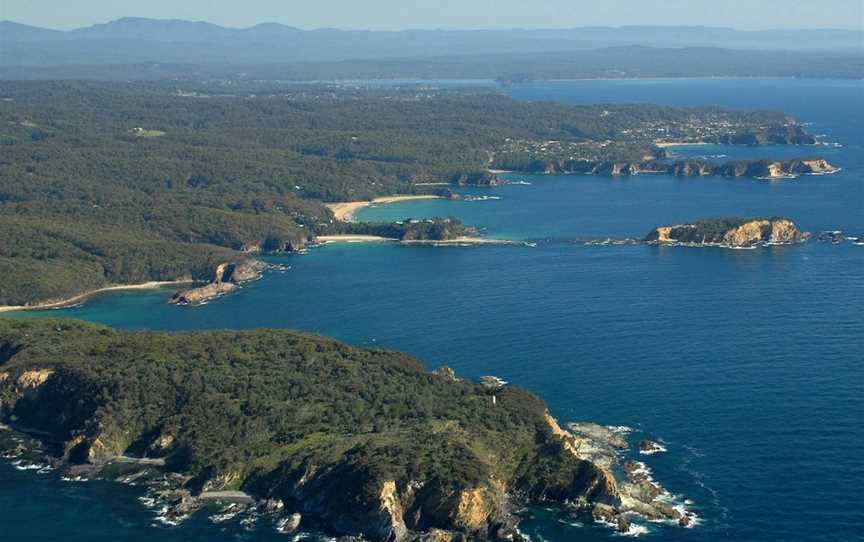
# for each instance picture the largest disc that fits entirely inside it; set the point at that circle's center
(311, 432)
(729, 233)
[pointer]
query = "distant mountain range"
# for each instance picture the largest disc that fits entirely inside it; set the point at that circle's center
(27, 51)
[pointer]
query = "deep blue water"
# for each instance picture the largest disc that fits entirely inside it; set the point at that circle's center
(747, 363)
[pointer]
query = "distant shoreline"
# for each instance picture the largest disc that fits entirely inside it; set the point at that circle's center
(350, 238)
(665, 144)
(486, 81)
(81, 297)
(345, 210)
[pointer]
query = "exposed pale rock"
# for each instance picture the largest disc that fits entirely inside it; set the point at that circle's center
(226, 277)
(196, 296)
(289, 524)
(446, 373)
(391, 511)
(819, 165)
(34, 379)
(729, 232)
(474, 508)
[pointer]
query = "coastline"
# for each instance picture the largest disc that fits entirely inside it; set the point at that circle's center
(345, 210)
(459, 241)
(665, 144)
(81, 297)
(349, 238)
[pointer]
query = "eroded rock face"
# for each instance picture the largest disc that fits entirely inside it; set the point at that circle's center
(783, 232)
(161, 445)
(92, 449)
(475, 508)
(731, 233)
(819, 165)
(391, 512)
(636, 494)
(223, 481)
(747, 234)
(196, 296)
(34, 379)
(289, 524)
(446, 373)
(768, 169)
(226, 277)
(776, 169)
(692, 168)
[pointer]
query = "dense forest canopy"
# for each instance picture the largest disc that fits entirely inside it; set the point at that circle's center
(318, 424)
(120, 183)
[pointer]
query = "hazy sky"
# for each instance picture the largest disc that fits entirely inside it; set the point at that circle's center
(400, 14)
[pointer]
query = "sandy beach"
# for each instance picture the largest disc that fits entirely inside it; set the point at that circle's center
(81, 297)
(345, 210)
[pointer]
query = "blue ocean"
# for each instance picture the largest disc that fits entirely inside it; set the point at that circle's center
(747, 364)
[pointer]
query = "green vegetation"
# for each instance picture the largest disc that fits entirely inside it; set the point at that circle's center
(88, 198)
(282, 414)
(716, 228)
(730, 232)
(434, 229)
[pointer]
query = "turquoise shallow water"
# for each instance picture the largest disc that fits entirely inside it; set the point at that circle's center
(748, 364)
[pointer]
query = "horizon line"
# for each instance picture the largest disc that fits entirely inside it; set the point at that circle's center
(439, 29)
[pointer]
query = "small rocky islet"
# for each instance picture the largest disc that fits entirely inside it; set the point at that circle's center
(310, 433)
(729, 233)
(742, 233)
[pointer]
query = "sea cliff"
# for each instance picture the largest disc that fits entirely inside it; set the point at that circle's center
(729, 233)
(349, 441)
(767, 169)
(225, 278)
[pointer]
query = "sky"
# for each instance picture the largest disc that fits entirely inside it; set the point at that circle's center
(448, 14)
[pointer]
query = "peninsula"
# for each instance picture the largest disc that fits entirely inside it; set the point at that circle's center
(347, 440)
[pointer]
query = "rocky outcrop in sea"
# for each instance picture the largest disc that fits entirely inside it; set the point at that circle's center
(729, 233)
(226, 277)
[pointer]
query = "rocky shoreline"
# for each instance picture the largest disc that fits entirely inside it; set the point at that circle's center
(736, 233)
(620, 504)
(226, 278)
(638, 495)
(758, 169)
(471, 456)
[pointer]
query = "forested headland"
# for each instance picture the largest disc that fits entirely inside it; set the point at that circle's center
(360, 442)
